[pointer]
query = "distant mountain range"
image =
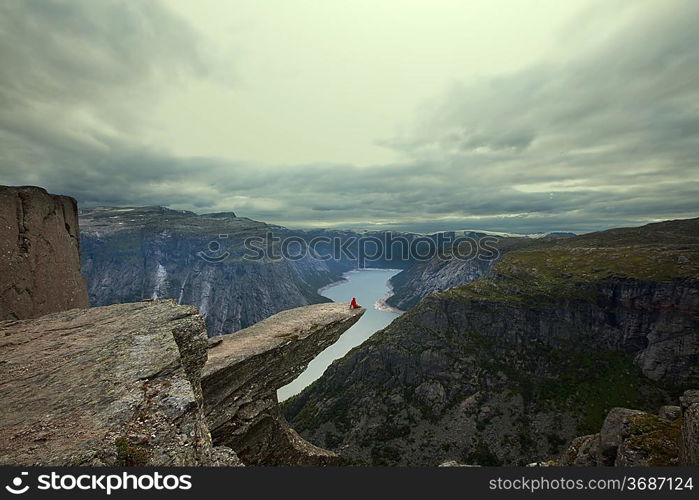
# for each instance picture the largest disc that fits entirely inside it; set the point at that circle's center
(136, 253)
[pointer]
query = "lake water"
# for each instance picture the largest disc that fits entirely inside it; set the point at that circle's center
(369, 286)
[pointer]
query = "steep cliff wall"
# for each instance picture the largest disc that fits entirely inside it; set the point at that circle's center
(510, 368)
(131, 254)
(39, 244)
(423, 279)
(135, 253)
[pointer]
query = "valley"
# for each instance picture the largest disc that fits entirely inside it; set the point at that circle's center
(369, 287)
(509, 368)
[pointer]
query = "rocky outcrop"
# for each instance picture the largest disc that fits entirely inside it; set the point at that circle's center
(636, 438)
(39, 244)
(508, 369)
(244, 371)
(116, 385)
(122, 385)
(689, 446)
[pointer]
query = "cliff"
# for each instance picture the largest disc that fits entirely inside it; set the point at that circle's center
(444, 271)
(244, 371)
(435, 275)
(131, 254)
(135, 253)
(114, 385)
(122, 385)
(509, 368)
(39, 244)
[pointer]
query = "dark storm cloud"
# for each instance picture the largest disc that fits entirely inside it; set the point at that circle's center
(78, 75)
(608, 135)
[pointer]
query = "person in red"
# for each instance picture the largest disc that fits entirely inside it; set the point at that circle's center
(353, 304)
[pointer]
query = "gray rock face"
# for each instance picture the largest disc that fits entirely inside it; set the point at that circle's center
(245, 370)
(116, 385)
(131, 254)
(426, 278)
(689, 447)
(429, 362)
(39, 244)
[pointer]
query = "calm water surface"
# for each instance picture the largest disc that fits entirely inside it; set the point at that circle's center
(369, 286)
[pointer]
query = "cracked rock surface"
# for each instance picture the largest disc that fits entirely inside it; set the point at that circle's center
(115, 385)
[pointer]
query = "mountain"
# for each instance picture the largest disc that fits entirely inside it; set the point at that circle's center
(135, 253)
(508, 369)
(442, 272)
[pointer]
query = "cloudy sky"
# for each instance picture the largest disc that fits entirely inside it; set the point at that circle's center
(412, 114)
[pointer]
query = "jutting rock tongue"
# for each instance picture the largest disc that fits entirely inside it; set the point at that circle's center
(39, 244)
(244, 371)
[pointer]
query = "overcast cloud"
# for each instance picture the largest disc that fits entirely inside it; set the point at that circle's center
(600, 129)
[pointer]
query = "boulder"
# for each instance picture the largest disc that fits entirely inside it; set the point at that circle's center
(614, 430)
(670, 412)
(628, 438)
